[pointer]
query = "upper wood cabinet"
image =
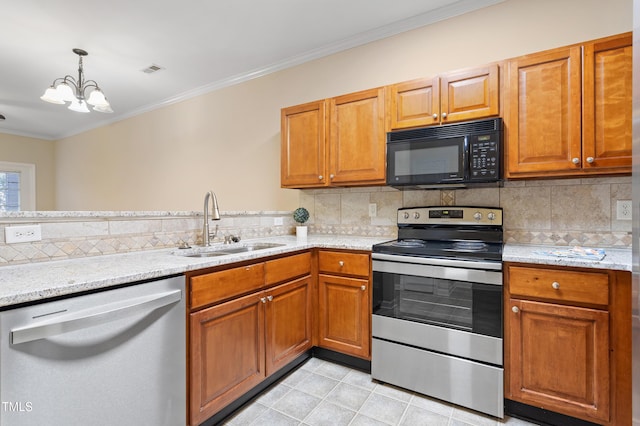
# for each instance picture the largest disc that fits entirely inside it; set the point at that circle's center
(568, 110)
(334, 142)
(357, 139)
(303, 162)
(606, 127)
(456, 96)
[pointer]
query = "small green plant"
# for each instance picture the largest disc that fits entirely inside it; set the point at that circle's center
(301, 215)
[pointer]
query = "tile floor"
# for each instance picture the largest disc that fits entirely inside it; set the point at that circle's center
(324, 393)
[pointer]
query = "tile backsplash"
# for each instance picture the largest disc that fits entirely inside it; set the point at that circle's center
(68, 235)
(548, 212)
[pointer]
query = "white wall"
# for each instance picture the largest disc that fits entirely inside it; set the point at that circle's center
(228, 140)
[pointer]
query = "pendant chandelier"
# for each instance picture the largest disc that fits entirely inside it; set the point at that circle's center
(68, 89)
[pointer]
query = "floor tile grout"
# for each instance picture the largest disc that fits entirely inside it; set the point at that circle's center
(457, 416)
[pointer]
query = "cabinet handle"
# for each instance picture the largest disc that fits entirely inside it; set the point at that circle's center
(575, 160)
(320, 177)
(263, 299)
(331, 176)
(269, 298)
(555, 285)
(341, 263)
(444, 115)
(435, 116)
(590, 160)
(515, 309)
(363, 287)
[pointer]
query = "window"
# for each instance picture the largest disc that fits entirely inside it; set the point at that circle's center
(17, 186)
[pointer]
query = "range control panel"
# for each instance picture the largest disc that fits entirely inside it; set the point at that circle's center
(454, 215)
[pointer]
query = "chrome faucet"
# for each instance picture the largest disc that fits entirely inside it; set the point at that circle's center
(215, 215)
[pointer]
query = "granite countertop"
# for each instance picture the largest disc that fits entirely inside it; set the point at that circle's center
(615, 258)
(38, 281)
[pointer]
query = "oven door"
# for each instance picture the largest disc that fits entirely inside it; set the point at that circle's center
(464, 299)
(427, 161)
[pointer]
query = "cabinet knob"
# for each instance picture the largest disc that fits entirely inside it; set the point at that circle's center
(515, 309)
(590, 160)
(331, 176)
(555, 285)
(575, 160)
(435, 116)
(320, 177)
(363, 287)
(444, 115)
(269, 298)
(341, 263)
(263, 299)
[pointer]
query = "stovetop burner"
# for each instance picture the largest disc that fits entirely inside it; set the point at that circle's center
(409, 243)
(468, 246)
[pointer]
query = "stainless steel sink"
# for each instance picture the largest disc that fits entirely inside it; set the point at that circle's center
(222, 251)
(205, 254)
(251, 247)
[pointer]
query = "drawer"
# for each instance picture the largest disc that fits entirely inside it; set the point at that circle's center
(222, 285)
(344, 263)
(567, 286)
(287, 268)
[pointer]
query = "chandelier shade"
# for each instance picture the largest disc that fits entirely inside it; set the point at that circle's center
(75, 91)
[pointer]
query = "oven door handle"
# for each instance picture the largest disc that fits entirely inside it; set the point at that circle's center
(492, 266)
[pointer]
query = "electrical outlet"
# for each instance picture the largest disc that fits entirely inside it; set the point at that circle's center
(623, 210)
(22, 234)
(373, 209)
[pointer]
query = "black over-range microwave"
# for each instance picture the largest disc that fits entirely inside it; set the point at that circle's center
(457, 155)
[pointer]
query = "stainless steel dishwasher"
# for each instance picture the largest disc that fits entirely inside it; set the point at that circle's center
(116, 357)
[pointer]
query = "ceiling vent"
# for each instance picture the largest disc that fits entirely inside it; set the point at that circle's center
(152, 68)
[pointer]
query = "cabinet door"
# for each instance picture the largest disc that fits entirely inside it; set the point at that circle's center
(415, 103)
(303, 162)
(287, 322)
(344, 314)
(544, 114)
(607, 104)
(357, 141)
(470, 94)
(227, 354)
(559, 358)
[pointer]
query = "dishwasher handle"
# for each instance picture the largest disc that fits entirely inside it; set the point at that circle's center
(94, 316)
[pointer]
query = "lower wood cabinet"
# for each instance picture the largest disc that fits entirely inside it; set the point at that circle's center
(235, 344)
(344, 303)
(568, 341)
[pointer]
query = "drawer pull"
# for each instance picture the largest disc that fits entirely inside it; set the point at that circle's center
(515, 309)
(363, 287)
(341, 263)
(263, 299)
(269, 298)
(555, 285)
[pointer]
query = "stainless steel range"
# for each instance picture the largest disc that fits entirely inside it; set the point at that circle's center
(437, 306)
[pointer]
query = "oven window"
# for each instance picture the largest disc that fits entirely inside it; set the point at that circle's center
(461, 305)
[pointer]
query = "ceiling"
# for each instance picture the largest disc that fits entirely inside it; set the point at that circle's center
(202, 45)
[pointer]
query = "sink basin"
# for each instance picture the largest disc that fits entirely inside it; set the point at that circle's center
(250, 247)
(222, 251)
(205, 254)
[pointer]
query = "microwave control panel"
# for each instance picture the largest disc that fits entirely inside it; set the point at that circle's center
(484, 157)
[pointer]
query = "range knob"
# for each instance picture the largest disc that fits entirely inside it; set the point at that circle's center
(477, 215)
(491, 216)
(406, 215)
(416, 215)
